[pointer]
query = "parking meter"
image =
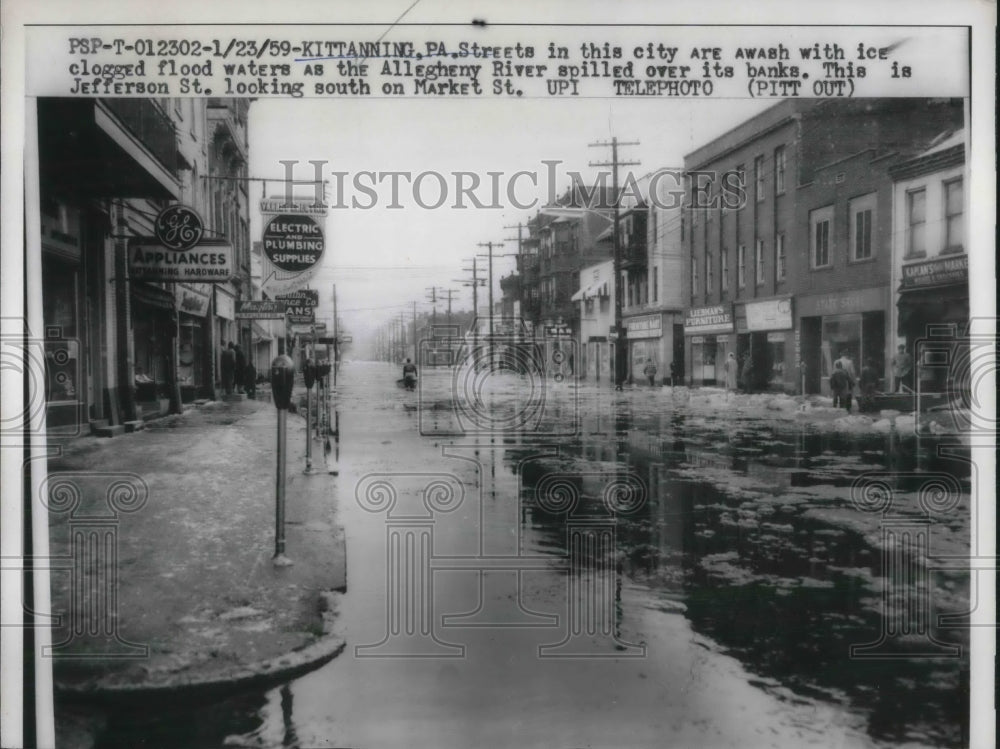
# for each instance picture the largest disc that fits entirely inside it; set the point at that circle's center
(282, 378)
(309, 373)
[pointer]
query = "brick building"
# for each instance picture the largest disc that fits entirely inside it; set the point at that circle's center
(789, 237)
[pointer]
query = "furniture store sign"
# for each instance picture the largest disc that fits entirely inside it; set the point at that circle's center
(714, 319)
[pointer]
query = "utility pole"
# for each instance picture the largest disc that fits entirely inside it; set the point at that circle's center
(489, 245)
(415, 355)
(434, 309)
(450, 293)
(614, 164)
(335, 361)
(475, 282)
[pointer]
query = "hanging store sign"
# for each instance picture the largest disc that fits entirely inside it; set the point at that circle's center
(298, 207)
(192, 301)
(263, 309)
(210, 261)
(771, 314)
(178, 227)
(293, 243)
(302, 297)
(715, 319)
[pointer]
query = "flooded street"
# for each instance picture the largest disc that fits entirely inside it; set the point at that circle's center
(638, 571)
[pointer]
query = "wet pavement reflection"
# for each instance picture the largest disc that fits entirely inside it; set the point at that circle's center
(750, 540)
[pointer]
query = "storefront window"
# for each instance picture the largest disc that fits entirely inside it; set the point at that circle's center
(840, 333)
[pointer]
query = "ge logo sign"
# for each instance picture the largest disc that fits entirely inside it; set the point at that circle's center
(178, 227)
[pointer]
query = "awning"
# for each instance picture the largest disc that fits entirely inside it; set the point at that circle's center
(259, 334)
(595, 289)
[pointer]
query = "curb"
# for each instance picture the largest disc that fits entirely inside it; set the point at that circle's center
(177, 688)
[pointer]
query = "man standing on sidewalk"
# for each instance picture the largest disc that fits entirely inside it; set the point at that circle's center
(650, 372)
(228, 368)
(902, 368)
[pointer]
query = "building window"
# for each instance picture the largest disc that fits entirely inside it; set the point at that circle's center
(954, 213)
(725, 269)
(694, 276)
(916, 223)
(862, 212)
(779, 170)
(656, 284)
(709, 275)
(758, 176)
(758, 261)
(741, 266)
(821, 225)
(779, 256)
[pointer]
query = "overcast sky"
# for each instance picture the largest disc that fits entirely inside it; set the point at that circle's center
(381, 258)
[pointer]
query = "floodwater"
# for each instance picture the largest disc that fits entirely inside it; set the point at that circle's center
(620, 569)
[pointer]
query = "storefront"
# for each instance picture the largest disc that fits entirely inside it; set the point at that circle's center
(643, 335)
(194, 363)
(225, 326)
(848, 322)
(708, 334)
(764, 334)
(153, 330)
(933, 311)
(61, 311)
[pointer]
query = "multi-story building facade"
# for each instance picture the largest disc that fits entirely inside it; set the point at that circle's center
(107, 167)
(930, 262)
(596, 298)
(789, 237)
(562, 239)
(653, 261)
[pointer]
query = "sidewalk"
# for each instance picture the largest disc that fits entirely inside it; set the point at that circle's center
(195, 582)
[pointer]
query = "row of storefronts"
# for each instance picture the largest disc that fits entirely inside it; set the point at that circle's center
(119, 347)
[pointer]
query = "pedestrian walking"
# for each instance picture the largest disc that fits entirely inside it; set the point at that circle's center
(650, 371)
(848, 363)
(250, 379)
(228, 366)
(902, 369)
(732, 371)
(241, 366)
(841, 385)
(675, 373)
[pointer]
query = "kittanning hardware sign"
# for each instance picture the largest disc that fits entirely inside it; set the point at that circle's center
(178, 252)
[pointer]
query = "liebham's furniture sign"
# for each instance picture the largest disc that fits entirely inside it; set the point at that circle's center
(715, 319)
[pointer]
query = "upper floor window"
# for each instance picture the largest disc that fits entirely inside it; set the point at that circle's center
(759, 261)
(779, 256)
(758, 176)
(862, 212)
(694, 276)
(709, 274)
(741, 266)
(656, 284)
(724, 270)
(954, 209)
(779, 170)
(916, 223)
(821, 237)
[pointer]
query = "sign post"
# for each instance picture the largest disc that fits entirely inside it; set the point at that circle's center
(282, 378)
